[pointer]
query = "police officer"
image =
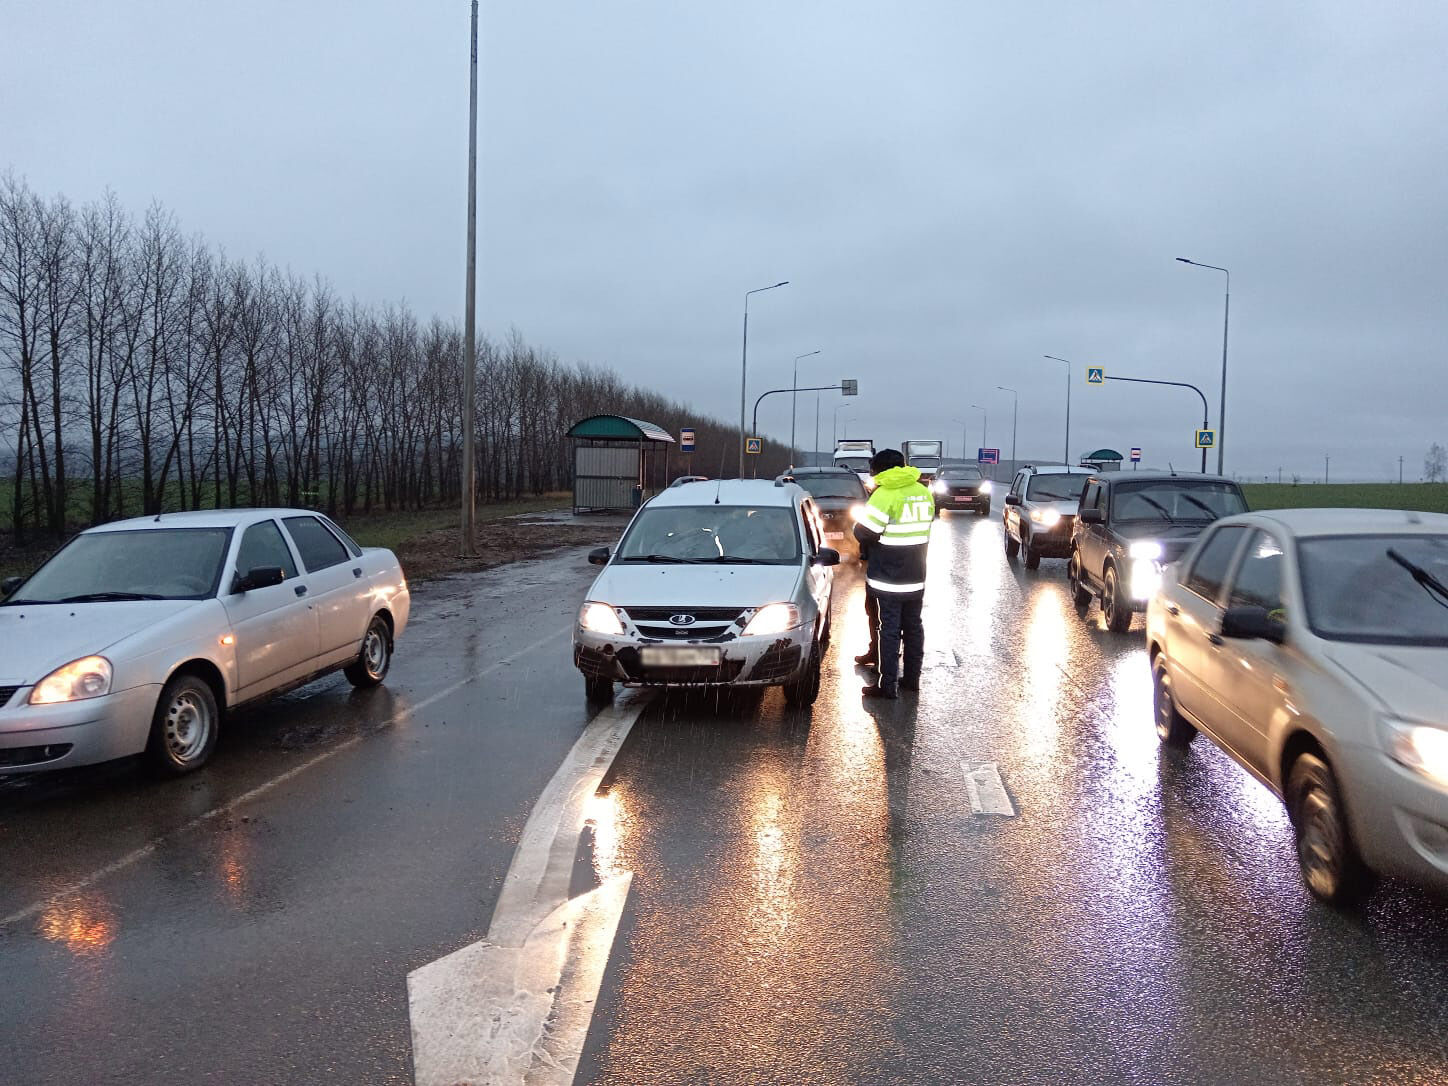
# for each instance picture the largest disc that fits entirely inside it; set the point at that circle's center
(895, 528)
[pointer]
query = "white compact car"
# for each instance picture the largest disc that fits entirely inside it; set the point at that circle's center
(1040, 512)
(713, 584)
(1312, 646)
(138, 635)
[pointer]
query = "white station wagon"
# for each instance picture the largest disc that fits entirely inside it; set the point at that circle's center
(138, 635)
(713, 584)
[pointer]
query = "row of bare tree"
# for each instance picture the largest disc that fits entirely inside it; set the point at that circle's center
(142, 370)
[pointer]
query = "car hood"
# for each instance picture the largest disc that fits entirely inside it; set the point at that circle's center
(1409, 680)
(35, 639)
(1174, 538)
(694, 586)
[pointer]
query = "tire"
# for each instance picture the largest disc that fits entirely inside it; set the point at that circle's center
(1013, 546)
(985, 512)
(1033, 556)
(801, 693)
(1331, 866)
(1117, 615)
(184, 727)
(1171, 727)
(598, 690)
(374, 659)
(1080, 594)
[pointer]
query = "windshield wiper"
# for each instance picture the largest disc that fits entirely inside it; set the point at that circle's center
(1436, 588)
(662, 558)
(734, 558)
(1158, 507)
(106, 597)
(1201, 505)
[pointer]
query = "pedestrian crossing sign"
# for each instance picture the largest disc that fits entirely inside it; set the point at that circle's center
(754, 444)
(1206, 439)
(1095, 375)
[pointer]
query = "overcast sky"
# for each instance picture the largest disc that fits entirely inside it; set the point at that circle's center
(953, 189)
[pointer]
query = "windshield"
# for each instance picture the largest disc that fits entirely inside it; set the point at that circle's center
(925, 463)
(1055, 488)
(964, 474)
(1174, 500)
(712, 533)
(833, 486)
(146, 564)
(1355, 591)
(853, 463)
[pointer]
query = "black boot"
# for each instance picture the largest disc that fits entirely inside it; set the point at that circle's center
(866, 659)
(877, 691)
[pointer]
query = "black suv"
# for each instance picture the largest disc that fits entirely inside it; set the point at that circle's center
(836, 492)
(1131, 525)
(962, 486)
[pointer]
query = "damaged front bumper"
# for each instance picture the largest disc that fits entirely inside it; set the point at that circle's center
(741, 661)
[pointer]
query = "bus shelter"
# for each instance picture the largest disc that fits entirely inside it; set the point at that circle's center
(1103, 460)
(615, 460)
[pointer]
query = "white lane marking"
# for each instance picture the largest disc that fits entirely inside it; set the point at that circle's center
(516, 1005)
(152, 845)
(987, 791)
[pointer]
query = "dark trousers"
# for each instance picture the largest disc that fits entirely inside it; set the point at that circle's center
(900, 620)
(872, 616)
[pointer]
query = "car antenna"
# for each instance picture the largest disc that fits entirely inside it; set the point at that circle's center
(719, 475)
(1171, 468)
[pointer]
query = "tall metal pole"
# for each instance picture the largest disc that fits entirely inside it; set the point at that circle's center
(744, 367)
(964, 447)
(817, 430)
(1067, 453)
(794, 399)
(984, 432)
(470, 361)
(1226, 322)
(1015, 405)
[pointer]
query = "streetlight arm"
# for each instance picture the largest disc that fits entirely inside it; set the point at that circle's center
(754, 423)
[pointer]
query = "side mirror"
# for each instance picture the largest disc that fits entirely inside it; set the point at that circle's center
(1092, 516)
(259, 577)
(827, 556)
(1013, 499)
(598, 556)
(9, 585)
(1252, 623)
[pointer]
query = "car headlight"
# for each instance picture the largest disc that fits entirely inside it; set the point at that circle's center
(772, 618)
(1145, 578)
(599, 618)
(1145, 548)
(984, 488)
(1419, 746)
(870, 483)
(857, 513)
(1046, 518)
(939, 486)
(88, 677)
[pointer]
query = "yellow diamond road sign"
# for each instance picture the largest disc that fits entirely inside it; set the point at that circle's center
(1095, 375)
(754, 444)
(1206, 439)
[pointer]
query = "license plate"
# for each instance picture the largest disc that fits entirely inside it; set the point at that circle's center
(678, 656)
(834, 535)
(962, 498)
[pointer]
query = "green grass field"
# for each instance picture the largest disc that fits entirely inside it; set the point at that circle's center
(1424, 497)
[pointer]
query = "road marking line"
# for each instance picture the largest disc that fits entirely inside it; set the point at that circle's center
(516, 1006)
(987, 791)
(152, 845)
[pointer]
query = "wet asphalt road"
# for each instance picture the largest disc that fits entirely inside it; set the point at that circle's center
(812, 901)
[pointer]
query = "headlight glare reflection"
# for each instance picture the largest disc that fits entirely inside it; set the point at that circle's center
(88, 677)
(599, 618)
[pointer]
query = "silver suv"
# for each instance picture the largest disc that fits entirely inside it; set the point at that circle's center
(1040, 510)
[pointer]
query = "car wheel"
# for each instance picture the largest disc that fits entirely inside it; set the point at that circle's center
(1080, 594)
(801, 693)
(984, 511)
(1013, 546)
(375, 658)
(1033, 556)
(1171, 727)
(184, 727)
(598, 689)
(1331, 865)
(1114, 608)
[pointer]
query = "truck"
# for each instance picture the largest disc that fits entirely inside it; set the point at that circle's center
(854, 453)
(928, 455)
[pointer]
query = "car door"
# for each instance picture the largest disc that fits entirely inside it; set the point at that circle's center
(1010, 512)
(1196, 613)
(274, 628)
(1250, 671)
(339, 591)
(819, 579)
(1090, 544)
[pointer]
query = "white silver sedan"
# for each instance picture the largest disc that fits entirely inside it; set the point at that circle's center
(1312, 646)
(138, 636)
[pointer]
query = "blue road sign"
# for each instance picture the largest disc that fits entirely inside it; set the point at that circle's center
(1206, 439)
(1095, 375)
(686, 440)
(754, 444)
(1136, 456)
(988, 456)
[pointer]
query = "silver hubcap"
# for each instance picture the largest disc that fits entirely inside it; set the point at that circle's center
(1163, 705)
(1111, 597)
(188, 726)
(1317, 846)
(374, 652)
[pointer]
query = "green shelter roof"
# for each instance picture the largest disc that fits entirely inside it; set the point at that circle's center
(1104, 454)
(618, 428)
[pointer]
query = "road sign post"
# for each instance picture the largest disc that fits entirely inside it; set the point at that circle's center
(686, 440)
(1095, 375)
(754, 445)
(1135, 458)
(849, 387)
(1206, 439)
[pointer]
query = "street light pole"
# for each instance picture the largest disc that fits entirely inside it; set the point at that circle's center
(835, 425)
(794, 399)
(984, 432)
(1067, 453)
(470, 361)
(1226, 320)
(744, 366)
(963, 446)
(1015, 403)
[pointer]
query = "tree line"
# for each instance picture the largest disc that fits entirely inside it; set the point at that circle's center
(142, 371)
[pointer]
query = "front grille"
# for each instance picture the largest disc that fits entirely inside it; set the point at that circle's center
(777, 663)
(16, 757)
(6, 693)
(701, 614)
(711, 632)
